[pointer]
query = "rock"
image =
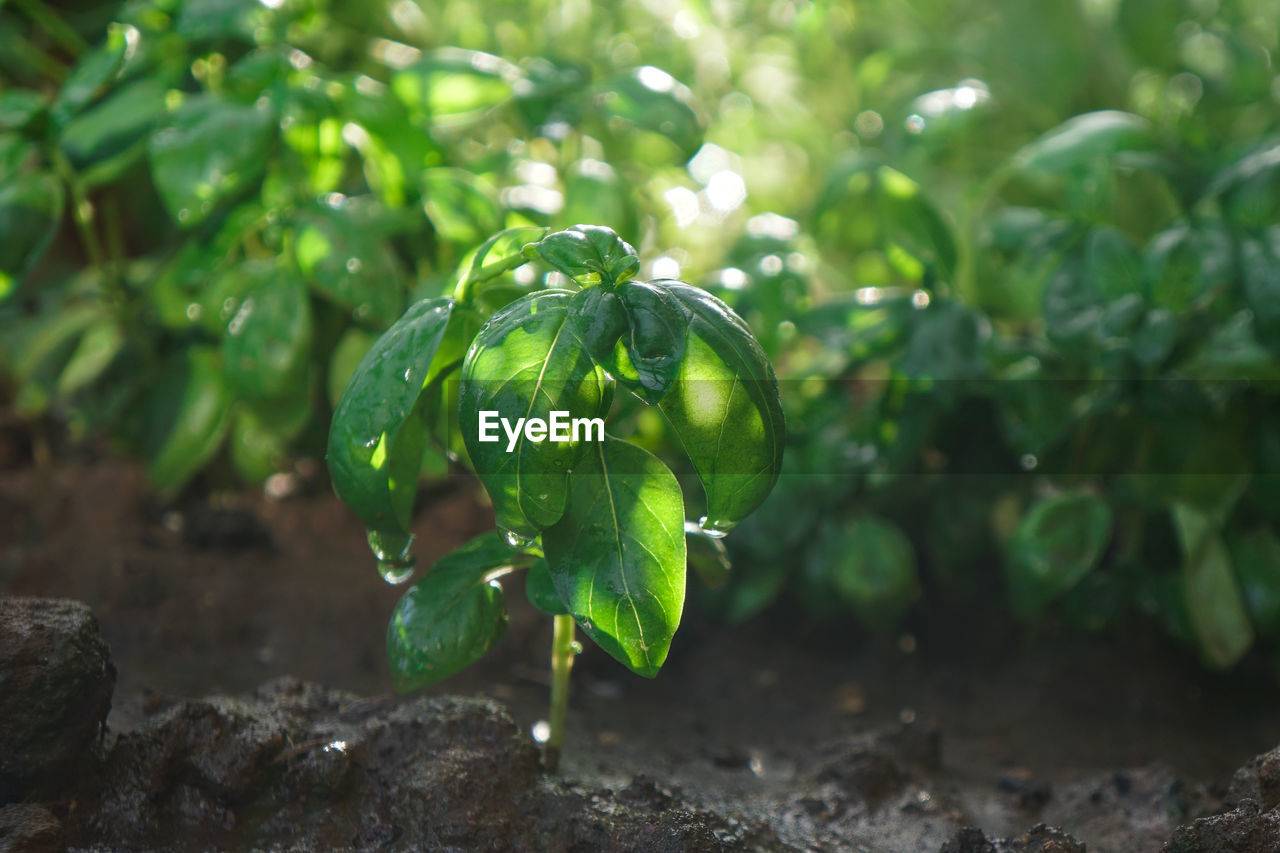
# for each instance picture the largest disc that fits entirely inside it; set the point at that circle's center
(1039, 839)
(28, 828)
(1245, 829)
(1259, 780)
(296, 766)
(56, 679)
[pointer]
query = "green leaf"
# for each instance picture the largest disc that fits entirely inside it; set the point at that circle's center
(724, 406)
(1080, 140)
(1058, 542)
(1218, 616)
(343, 260)
(617, 557)
(869, 205)
(261, 432)
(526, 363)
(347, 354)
(19, 108)
(541, 590)
(91, 74)
(1255, 555)
(462, 208)
(1112, 263)
(203, 413)
(651, 99)
(648, 357)
(450, 617)
(452, 84)
(588, 254)
(268, 340)
(599, 319)
(210, 151)
(593, 192)
(30, 210)
(873, 568)
(116, 127)
(1261, 271)
(375, 445)
(499, 254)
(100, 345)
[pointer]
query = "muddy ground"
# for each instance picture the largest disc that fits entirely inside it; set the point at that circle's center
(776, 734)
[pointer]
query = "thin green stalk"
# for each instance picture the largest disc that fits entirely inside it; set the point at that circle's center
(562, 652)
(81, 211)
(56, 28)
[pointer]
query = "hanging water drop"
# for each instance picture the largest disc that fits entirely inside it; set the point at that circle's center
(515, 540)
(394, 553)
(716, 529)
(394, 572)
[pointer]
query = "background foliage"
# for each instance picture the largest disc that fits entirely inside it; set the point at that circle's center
(1018, 265)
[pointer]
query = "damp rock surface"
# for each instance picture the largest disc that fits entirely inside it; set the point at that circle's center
(294, 766)
(56, 680)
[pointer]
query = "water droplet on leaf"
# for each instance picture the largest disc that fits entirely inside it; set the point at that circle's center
(515, 540)
(715, 529)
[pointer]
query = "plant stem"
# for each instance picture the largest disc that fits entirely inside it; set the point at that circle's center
(562, 652)
(83, 214)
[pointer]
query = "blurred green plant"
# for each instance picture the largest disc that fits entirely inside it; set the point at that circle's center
(1016, 263)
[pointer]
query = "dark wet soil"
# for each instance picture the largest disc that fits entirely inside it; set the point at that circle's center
(804, 736)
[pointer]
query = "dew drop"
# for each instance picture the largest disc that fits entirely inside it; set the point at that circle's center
(394, 572)
(394, 552)
(515, 540)
(715, 529)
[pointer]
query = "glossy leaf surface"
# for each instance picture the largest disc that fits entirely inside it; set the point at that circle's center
(724, 406)
(450, 617)
(375, 445)
(617, 557)
(526, 363)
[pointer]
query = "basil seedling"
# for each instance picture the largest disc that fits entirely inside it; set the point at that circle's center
(597, 522)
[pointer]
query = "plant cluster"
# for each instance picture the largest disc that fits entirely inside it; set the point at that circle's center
(1016, 263)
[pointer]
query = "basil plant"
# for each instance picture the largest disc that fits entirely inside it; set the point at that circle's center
(523, 389)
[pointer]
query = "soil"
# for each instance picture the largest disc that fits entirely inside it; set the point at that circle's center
(775, 734)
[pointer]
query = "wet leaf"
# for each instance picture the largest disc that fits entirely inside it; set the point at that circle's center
(1058, 542)
(499, 254)
(647, 358)
(210, 150)
(724, 407)
(588, 254)
(617, 557)
(450, 617)
(527, 363)
(375, 440)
